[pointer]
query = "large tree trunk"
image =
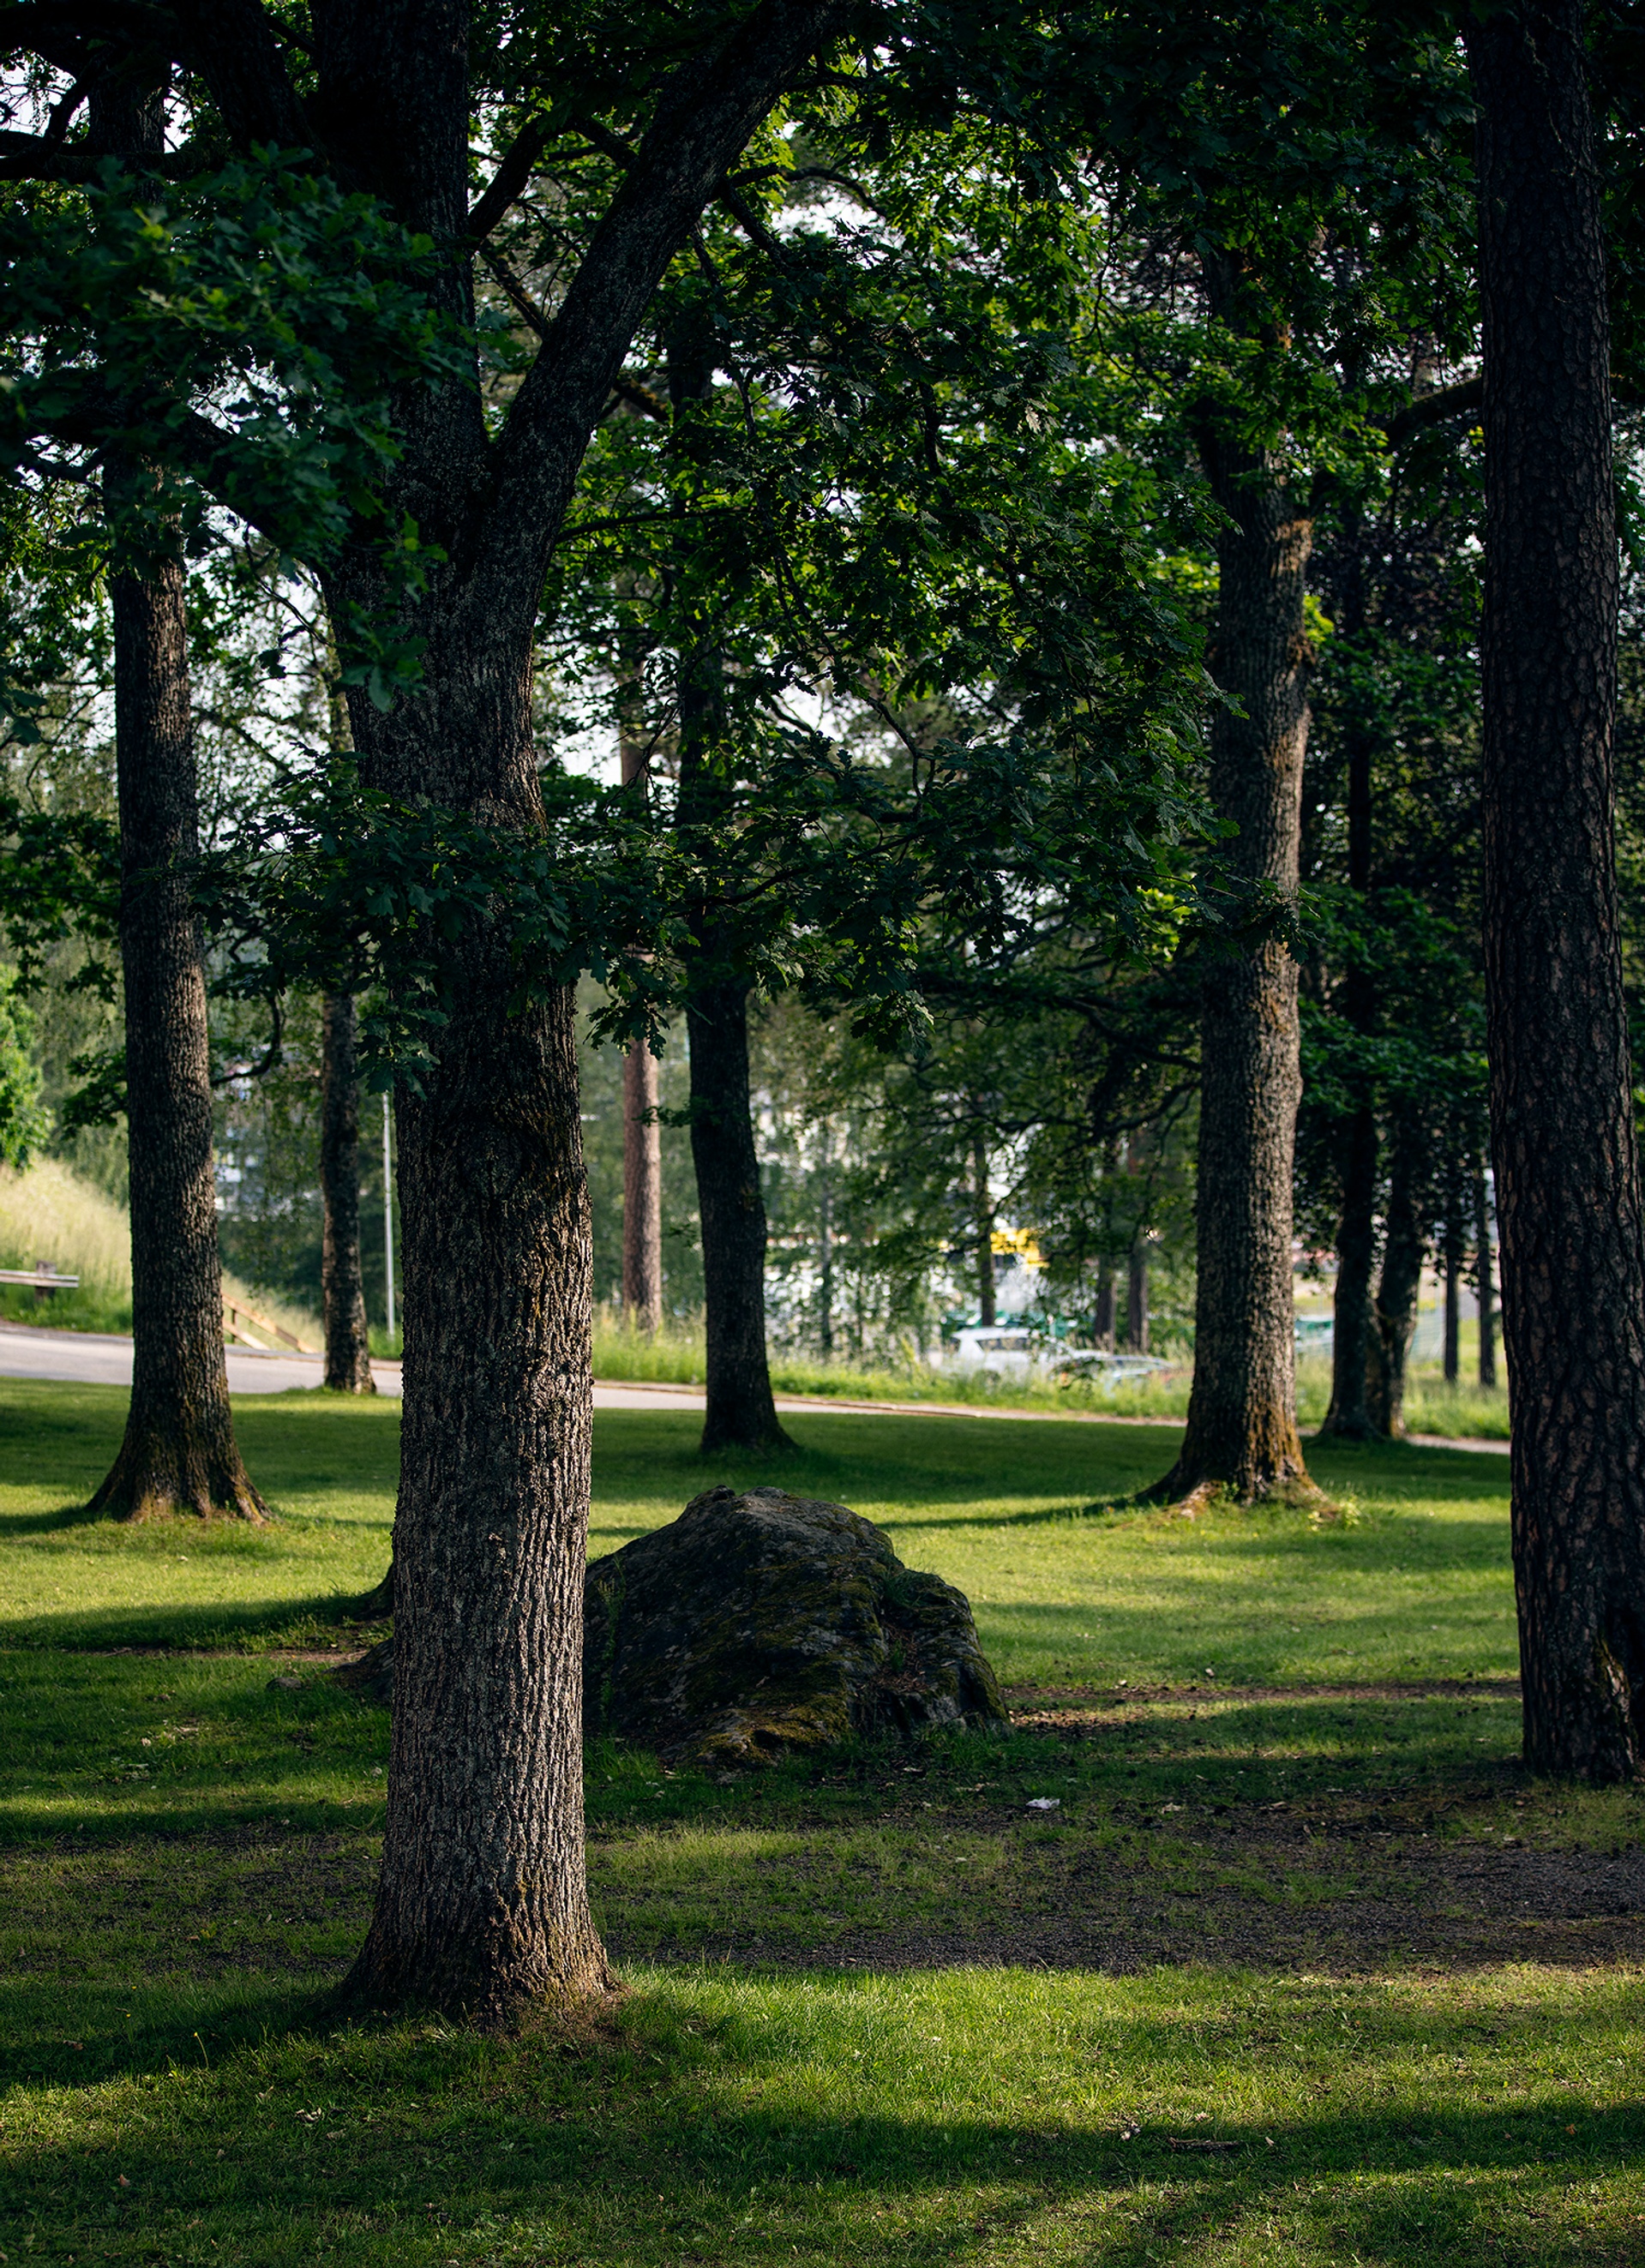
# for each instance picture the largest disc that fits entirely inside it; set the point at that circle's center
(178, 1453)
(1241, 1411)
(348, 1344)
(482, 1904)
(1573, 1247)
(1405, 1247)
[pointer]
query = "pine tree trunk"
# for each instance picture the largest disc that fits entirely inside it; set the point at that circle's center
(741, 1413)
(1453, 1304)
(642, 1192)
(1137, 1298)
(179, 1454)
(1405, 1248)
(348, 1344)
(1567, 1193)
(1104, 1331)
(1241, 1411)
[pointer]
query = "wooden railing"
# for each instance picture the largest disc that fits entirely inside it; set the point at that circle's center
(235, 1318)
(43, 1276)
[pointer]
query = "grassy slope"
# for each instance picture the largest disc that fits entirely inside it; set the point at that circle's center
(186, 1853)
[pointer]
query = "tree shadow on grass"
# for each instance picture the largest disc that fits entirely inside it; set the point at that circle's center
(705, 2113)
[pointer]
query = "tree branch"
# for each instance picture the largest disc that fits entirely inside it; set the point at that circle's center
(509, 181)
(234, 47)
(32, 158)
(707, 111)
(1447, 401)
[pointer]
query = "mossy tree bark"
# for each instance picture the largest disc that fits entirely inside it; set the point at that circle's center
(1241, 1411)
(343, 1286)
(1567, 1191)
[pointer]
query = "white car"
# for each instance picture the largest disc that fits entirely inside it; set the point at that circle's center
(1012, 1349)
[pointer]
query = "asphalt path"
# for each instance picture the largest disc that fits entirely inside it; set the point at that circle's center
(96, 1359)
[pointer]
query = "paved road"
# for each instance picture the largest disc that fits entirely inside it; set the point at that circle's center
(91, 1359)
(88, 1358)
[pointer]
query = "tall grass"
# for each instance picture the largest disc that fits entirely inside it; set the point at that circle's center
(48, 1213)
(675, 1357)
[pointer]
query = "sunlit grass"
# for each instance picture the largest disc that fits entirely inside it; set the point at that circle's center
(187, 1849)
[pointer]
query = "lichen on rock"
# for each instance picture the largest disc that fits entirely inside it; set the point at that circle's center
(760, 1624)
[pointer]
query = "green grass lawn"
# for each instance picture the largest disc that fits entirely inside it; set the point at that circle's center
(1303, 1970)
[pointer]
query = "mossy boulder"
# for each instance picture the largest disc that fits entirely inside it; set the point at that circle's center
(760, 1623)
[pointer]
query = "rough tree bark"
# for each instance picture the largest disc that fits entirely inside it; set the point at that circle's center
(178, 1452)
(1103, 1318)
(342, 1287)
(482, 1904)
(1567, 1193)
(1241, 1411)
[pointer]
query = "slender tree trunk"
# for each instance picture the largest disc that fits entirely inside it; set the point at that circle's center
(1241, 1411)
(1405, 1248)
(1567, 1193)
(178, 1453)
(642, 1136)
(642, 1191)
(1349, 1417)
(1137, 1296)
(348, 1344)
(1486, 1287)
(740, 1412)
(1104, 1332)
(1453, 1302)
(825, 1270)
(983, 1200)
